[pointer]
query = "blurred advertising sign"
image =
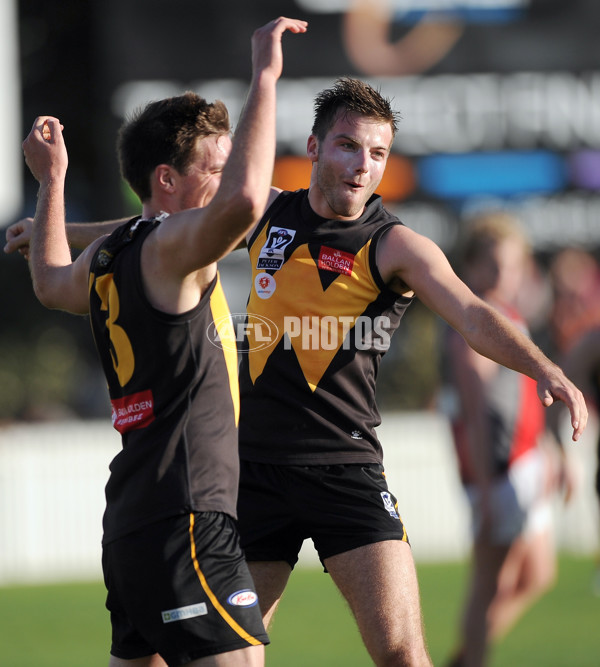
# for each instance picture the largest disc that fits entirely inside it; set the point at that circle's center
(500, 99)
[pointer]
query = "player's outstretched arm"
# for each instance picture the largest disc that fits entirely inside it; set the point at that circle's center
(57, 281)
(212, 232)
(79, 234)
(417, 263)
(18, 236)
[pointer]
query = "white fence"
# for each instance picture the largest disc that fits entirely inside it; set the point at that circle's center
(52, 479)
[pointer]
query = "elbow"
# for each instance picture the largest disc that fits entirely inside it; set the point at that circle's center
(251, 205)
(246, 209)
(46, 290)
(44, 295)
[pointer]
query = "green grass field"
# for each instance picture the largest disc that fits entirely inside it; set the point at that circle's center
(67, 625)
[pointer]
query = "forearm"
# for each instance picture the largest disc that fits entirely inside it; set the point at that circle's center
(81, 234)
(494, 336)
(253, 168)
(249, 171)
(49, 248)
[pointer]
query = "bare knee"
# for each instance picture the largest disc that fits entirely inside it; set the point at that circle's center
(414, 655)
(542, 579)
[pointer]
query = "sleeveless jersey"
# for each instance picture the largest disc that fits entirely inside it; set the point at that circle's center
(174, 393)
(515, 415)
(319, 319)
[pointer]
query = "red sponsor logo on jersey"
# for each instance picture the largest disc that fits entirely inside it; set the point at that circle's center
(336, 260)
(133, 411)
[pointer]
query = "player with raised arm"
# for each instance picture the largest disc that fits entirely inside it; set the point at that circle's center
(179, 590)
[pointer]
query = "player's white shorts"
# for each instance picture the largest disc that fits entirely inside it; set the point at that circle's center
(520, 505)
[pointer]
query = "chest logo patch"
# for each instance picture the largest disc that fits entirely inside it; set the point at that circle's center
(264, 285)
(271, 255)
(337, 261)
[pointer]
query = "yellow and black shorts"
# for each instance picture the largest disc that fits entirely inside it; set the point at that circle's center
(341, 507)
(180, 587)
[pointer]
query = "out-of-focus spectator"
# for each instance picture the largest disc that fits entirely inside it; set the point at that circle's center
(505, 465)
(581, 362)
(575, 276)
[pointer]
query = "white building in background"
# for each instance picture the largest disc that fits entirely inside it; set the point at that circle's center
(52, 479)
(11, 165)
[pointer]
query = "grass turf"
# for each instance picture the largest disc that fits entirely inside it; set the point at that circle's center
(67, 625)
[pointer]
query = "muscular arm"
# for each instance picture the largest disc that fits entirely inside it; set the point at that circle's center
(79, 234)
(57, 281)
(409, 261)
(198, 237)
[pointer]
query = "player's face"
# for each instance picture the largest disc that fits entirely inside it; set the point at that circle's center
(510, 259)
(201, 182)
(349, 165)
(500, 270)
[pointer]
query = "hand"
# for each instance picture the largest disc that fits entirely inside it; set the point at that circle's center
(555, 386)
(18, 236)
(45, 150)
(266, 44)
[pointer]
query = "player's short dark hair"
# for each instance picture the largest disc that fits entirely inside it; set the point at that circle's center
(349, 95)
(167, 132)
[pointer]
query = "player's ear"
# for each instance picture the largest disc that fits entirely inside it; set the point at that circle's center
(164, 177)
(312, 148)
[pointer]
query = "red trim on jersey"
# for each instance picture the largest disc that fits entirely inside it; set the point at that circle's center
(530, 422)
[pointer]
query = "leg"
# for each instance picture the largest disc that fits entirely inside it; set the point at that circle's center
(253, 656)
(270, 579)
(506, 581)
(149, 661)
(528, 572)
(379, 581)
(487, 563)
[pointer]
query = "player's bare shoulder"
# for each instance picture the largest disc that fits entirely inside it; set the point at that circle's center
(394, 253)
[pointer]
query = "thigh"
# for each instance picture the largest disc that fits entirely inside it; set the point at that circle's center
(507, 517)
(267, 524)
(530, 563)
(182, 586)
(350, 506)
(270, 579)
(253, 656)
(379, 581)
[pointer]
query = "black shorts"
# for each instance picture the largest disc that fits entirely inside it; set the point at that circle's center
(341, 507)
(181, 587)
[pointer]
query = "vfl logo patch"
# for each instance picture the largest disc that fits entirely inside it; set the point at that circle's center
(336, 260)
(245, 598)
(191, 611)
(388, 503)
(272, 253)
